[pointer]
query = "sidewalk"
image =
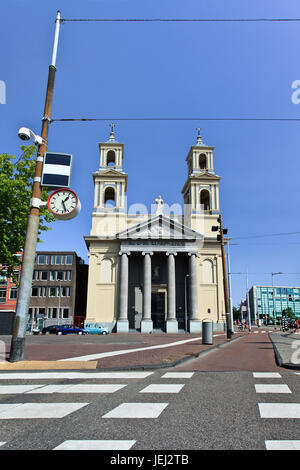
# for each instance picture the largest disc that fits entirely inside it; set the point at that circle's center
(121, 352)
(287, 349)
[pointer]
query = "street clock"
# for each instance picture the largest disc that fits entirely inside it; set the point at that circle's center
(64, 204)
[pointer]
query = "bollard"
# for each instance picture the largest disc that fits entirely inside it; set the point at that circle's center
(207, 332)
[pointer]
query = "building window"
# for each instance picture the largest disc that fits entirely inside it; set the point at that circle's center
(57, 259)
(52, 291)
(202, 161)
(109, 197)
(13, 293)
(54, 313)
(205, 199)
(65, 313)
(111, 158)
(35, 292)
(51, 275)
(43, 259)
(3, 280)
(69, 259)
(44, 275)
(2, 296)
(60, 275)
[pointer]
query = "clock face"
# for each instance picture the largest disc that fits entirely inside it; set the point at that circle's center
(62, 202)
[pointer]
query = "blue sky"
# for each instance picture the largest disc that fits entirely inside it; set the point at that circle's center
(174, 70)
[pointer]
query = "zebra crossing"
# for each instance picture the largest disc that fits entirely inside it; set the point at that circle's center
(276, 410)
(56, 410)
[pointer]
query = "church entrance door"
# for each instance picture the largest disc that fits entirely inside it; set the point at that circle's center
(158, 309)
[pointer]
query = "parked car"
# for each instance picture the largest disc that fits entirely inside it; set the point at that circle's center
(69, 329)
(48, 330)
(95, 328)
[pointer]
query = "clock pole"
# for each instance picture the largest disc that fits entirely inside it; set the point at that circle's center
(24, 294)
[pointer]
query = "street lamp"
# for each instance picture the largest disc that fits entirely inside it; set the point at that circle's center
(274, 313)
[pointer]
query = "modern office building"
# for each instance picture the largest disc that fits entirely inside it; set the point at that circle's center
(157, 271)
(269, 302)
(59, 289)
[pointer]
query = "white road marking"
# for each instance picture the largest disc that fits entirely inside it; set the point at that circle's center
(272, 388)
(279, 410)
(177, 375)
(91, 357)
(73, 375)
(95, 445)
(79, 388)
(137, 410)
(163, 388)
(38, 410)
(282, 445)
(2, 443)
(267, 375)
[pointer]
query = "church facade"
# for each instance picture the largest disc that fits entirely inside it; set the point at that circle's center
(160, 271)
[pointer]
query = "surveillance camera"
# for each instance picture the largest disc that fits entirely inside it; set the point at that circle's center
(38, 140)
(24, 133)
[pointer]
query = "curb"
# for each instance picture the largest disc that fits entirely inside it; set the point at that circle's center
(164, 365)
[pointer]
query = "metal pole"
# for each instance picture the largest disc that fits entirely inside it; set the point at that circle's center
(230, 292)
(19, 329)
(248, 304)
(229, 334)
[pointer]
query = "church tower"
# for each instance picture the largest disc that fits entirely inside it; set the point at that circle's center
(201, 190)
(110, 184)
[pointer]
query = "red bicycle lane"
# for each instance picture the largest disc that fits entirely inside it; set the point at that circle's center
(250, 352)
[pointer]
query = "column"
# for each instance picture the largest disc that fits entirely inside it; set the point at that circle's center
(147, 323)
(122, 323)
(172, 324)
(195, 324)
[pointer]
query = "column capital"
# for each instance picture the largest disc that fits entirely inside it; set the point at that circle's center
(193, 254)
(168, 253)
(147, 253)
(124, 253)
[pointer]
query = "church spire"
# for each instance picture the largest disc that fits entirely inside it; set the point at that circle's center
(199, 139)
(112, 134)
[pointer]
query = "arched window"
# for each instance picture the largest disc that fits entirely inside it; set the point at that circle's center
(205, 199)
(111, 158)
(207, 272)
(109, 197)
(106, 271)
(202, 161)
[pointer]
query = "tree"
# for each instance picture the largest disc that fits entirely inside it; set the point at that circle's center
(16, 179)
(289, 312)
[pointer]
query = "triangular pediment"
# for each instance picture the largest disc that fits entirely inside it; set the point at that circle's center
(110, 172)
(159, 227)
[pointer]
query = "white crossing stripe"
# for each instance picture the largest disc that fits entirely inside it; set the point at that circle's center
(38, 410)
(279, 410)
(2, 443)
(95, 445)
(267, 375)
(272, 388)
(73, 375)
(177, 375)
(79, 388)
(282, 445)
(163, 388)
(137, 410)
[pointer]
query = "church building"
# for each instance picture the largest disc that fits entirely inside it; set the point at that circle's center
(159, 271)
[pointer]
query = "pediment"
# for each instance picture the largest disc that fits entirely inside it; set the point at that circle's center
(110, 172)
(160, 227)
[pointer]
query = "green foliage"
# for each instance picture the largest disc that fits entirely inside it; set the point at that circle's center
(16, 180)
(289, 313)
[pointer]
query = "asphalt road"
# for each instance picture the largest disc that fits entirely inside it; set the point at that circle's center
(216, 402)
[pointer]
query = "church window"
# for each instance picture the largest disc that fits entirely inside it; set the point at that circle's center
(111, 158)
(106, 271)
(205, 199)
(202, 162)
(207, 272)
(109, 197)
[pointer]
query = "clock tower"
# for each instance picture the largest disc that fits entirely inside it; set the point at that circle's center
(201, 189)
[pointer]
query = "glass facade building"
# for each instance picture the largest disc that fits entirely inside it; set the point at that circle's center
(269, 301)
